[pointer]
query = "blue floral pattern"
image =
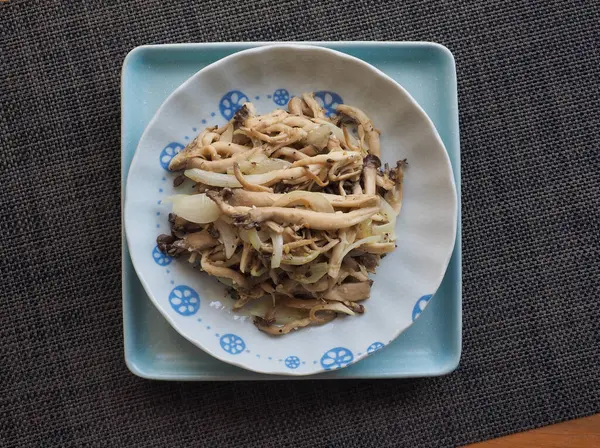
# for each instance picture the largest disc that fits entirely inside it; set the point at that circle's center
(374, 347)
(232, 344)
(160, 258)
(168, 153)
(336, 358)
(231, 102)
(329, 101)
(420, 306)
(184, 300)
(281, 97)
(292, 362)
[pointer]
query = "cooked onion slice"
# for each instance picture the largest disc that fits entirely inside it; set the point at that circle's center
(196, 208)
(277, 240)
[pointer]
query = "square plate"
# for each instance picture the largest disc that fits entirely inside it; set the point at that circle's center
(431, 346)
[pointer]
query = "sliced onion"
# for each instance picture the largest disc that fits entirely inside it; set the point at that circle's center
(227, 135)
(277, 240)
(259, 307)
(267, 166)
(319, 137)
(367, 240)
(287, 315)
(299, 260)
(244, 235)
(388, 228)
(339, 134)
(257, 273)
(316, 201)
(226, 281)
(365, 229)
(254, 237)
(227, 236)
(390, 214)
(197, 208)
(337, 307)
(227, 180)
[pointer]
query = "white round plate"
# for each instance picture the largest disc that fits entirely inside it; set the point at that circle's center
(196, 305)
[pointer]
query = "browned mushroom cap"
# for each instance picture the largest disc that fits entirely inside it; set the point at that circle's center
(180, 226)
(178, 162)
(369, 261)
(242, 114)
(246, 296)
(275, 330)
(350, 292)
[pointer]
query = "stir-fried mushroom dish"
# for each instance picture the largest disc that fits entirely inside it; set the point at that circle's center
(291, 209)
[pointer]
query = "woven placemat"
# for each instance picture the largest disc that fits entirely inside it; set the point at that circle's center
(530, 128)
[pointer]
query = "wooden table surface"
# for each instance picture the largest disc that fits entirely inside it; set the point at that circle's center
(580, 433)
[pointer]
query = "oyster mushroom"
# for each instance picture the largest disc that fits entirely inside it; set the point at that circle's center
(371, 134)
(350, 292)
(370, 166)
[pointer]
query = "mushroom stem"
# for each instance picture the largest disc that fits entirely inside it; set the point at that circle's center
(370, 165)
(245, 184)
(247, 216)
(222, 165)
(321, 159)
(371, 134)
(259, 199)
(295, 106)
(289, 152)
(315, 108)
(219, 271)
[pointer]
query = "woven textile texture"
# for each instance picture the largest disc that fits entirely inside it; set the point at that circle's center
(529, 94)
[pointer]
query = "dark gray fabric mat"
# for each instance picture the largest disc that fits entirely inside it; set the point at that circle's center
(529, 110)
